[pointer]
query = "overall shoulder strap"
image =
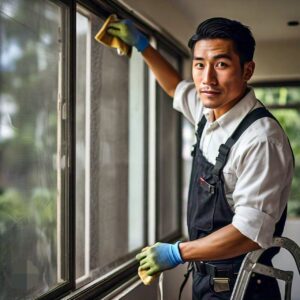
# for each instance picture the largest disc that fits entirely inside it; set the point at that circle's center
(199, 131)
(224, 149)
(200, 128)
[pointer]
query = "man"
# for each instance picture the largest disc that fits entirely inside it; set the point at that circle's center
(242, 166)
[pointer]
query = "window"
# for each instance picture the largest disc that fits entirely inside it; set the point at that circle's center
(54, 117)
(110, 154)
(284, 103)
(33, 150)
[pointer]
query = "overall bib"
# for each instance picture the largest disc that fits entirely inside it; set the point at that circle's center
(208, 211)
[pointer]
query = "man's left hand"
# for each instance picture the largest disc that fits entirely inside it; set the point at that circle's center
(160, 257)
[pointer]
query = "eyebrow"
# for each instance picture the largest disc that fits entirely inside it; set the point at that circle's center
(227, 56)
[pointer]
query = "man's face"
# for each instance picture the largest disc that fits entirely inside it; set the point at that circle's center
(218, 76)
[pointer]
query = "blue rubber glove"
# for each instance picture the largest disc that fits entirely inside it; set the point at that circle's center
(160, 257)
(128, 33)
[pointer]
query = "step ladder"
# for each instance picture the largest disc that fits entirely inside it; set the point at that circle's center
(250, 265)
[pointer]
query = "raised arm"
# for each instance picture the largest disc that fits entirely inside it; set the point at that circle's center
(165, 74)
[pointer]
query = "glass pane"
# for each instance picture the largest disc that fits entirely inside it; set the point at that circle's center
(290, 121)
(168, 161)
(29, 181)
(137, 152)
(110, 153)
(82, 134)
(278, 95)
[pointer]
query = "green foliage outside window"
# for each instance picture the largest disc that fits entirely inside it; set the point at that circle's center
(29, 52)
(289, 119)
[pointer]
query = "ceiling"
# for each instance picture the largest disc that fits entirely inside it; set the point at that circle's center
(266, 18)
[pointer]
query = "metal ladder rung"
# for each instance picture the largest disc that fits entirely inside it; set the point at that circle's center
(272, 272)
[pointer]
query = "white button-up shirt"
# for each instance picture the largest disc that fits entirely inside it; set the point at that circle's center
(259, 170)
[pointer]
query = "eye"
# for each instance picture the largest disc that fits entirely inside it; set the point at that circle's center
(221, 64)
(199, 65)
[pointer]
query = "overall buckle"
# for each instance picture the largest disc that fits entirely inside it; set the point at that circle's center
(221, 284)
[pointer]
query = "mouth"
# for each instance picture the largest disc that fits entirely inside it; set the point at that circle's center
(210, 92)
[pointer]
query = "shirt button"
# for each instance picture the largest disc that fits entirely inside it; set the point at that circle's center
(214, 125)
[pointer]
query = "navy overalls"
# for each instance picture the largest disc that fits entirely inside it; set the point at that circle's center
(208, 211)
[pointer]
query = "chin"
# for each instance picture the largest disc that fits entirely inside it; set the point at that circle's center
(209, 104)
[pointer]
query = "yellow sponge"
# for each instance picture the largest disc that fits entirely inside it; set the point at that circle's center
(111, 41)
(147, 280)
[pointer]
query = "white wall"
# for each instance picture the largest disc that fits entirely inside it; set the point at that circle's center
(277, 60)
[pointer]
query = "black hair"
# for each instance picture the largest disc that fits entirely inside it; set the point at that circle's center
(222, 28)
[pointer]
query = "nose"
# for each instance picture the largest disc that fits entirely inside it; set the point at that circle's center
(209, 76)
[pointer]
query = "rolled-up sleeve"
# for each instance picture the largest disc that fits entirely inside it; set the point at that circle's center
(186, 101)
(264, 175)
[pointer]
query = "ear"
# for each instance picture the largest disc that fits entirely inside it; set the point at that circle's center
(248, 70)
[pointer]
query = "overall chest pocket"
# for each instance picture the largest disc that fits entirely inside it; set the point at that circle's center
(202, 202)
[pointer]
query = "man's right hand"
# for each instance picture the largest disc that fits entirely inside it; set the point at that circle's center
(128, 33)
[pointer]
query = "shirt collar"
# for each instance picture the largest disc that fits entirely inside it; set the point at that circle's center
(230, 120)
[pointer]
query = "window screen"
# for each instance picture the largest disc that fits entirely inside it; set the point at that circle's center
(109, 153)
